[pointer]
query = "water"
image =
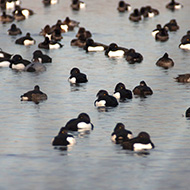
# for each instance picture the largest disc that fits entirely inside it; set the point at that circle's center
(28, 161)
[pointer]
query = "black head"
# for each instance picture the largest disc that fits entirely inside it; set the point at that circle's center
(67, 20)
(165, 55)
(119, 86)
(46, 40)
(89, 41)
(187, 113)
(144, 135)
(27, 34)
(121, 4)
(81, 30)
(113, 46)
(37, 52)
(84, 117)
(158, 26)
(136, 12)
(102, 93)
(188, 32)
(13, 26)
(119, 126)
(17, 58)
(74, 71)
(142, 83)
(37, 88)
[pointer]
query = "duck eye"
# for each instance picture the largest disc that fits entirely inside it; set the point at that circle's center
(104, 94)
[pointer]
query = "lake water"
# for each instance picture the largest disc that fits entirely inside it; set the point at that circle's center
(29, 161)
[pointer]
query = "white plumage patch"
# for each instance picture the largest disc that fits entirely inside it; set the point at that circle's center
(53, 2)
(54, 46)
(64, 27)
(26, 13)
(139, 146)
(18, 66)
(178, 6)
(150, 15)
(4, 64)
(24, 98)
(185, 46)
(71, 140)
(101, 103)
(113, 138)
(130, 136)
(118, 53)
(97, 48)
(72, 80)
(82, 5)
(29, 42)
(1, 55)
(129, 8)
(154, 32)
(117, 95)
(49, 36)
(83, 125)
(10, 5)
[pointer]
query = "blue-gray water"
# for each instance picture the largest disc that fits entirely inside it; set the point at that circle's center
(28, 161)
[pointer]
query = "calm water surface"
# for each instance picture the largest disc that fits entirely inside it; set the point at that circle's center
(28, 161)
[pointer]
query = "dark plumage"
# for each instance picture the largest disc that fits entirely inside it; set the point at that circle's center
(142, 89)
(133, 57)
(114, 50)
(184, 78)
(187, 113)
(172, 25)
(25, 40)
(135, 16)
(174, 5)
(5, 54)
(165, 62)
(47, 44)
(13, 31)
(105, 100)
(4, 18)
(162, 35)
(122, 6)
(43, 58)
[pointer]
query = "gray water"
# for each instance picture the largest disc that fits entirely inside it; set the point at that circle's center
(28, 160)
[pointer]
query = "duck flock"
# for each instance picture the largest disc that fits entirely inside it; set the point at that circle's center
(52, 39)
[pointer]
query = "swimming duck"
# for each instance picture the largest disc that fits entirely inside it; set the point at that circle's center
(56, 35)
(46, 30)
(34, 95)
(26, 40)
(47, 44)
(122, 6)
(174, 5)
(43, 58)
(19, 16)
(105, 100)
(121, 93)
(26, 12)
(4, 18)
(135, 16)
(185, 78)
(82, 122)
(114, 50)
(162, 35)
(165, 62)
(70, 23)
(49, 2)
(18, 63)
(155, 31)
(35, 66)
(185, 42)
(79, 42)
(77, 5)
(133, 57)
(120, 134)
(82, 31)
(63, 139)
(139, 143)
(77, 76)
(92, 46)
(142, 89)
(172, 25)
(13, 31)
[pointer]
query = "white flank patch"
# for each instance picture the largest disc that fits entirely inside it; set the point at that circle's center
(150, 15)
(24, 98)
(29, 42)
(154, 33)
(118, 53)
(97, 48)
(72, 80)
(10, 5)
(139, 146)
(26, 13)
(18, 66)
(83, 125)
(82, 5)
(113, 138)
(53, 2)
(129, 8)
(130, 136)
(117, 95)
(64, 27)
(49, 36)
(4, 64)
(185, 46)
(101, 103)
(71, 140)
(178, 6)
(54, 46)
(1, 55)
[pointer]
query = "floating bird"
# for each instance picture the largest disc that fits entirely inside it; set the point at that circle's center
(142, 89)
(133, 57)
(174, 5)
(135, 16)
(162, 35)
(165, 62)
(26, 40)
(172, 25)
(184, 78)
(35, 66)
(43, 58)
(4, 18)
(47, 44)
(13, 31)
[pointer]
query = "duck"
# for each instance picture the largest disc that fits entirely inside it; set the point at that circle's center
(70, 23)
(77, 77)
(105, 100)
(185, 42)
(43, 58)
(35, 66)
(142, 89)
(135, 16)
(63, 27)
(184, 78)
(77, 5)
(56, 35)
(120, 134)
(63, 139)
(18, 63)
(82, 122)
(13, 31)
(79, 42)
(25, 40)
(49, 2)
(92, 46)
(34, 95)
(173, 5)
(172, 25)
(122, 6)
(47, 44)
(4, 54)
(187, 113)
(26, 12)
(121, 93)
(19, 16)
(165, 62)
(114, 50)
(82, 31)
(162, 35)
(155, 31)
(46, 30)
(4, 18)
(133, 57)
(140, 143)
